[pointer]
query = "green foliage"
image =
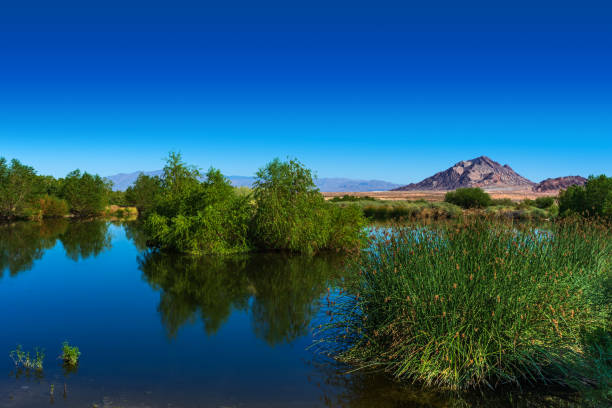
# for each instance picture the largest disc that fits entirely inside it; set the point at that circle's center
(86, 194)
(410, 211)
(18, 187)
(544, 202)
(117, 198)
(478, 303)
(198, 217)
(594, 199)
(506, 202)
(292, 215)
(52, 207)
(144, 193)
(351, 198)
(468, 198)
(23, 359)
(70, 354)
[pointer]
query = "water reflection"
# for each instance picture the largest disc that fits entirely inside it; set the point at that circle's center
(23, 243)
(365, 390)
(86, 239)
(279, 292)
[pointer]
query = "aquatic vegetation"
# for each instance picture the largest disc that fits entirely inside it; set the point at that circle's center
(408, 210)
(23, 359)
(472, 197)
(70, 354)
(480, 302)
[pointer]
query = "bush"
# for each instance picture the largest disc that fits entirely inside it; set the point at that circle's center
(86, 194)
(351, 198)
(53, 207)
(468, 198)
(594, 199)
(544, 202)
(198, 217)
(292, 215)
(506, 202)
(144, 193)
(479, 303)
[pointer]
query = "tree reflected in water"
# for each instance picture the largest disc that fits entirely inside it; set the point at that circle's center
(279, 292)
(84, 239)
(23, 243)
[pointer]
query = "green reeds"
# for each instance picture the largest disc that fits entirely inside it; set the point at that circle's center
(477, 303)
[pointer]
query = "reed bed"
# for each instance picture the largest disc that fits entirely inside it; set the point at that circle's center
(478, 303)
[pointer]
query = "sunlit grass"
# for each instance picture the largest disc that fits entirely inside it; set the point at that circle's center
(478, 303)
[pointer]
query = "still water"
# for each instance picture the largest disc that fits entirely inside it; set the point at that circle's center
(173, 331)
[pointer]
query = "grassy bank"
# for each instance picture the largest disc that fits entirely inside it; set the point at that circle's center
(480, 302)
(381, 210)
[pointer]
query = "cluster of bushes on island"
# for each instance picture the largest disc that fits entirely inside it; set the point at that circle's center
(185, 212)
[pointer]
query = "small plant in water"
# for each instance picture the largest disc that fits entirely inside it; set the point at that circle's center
(70, 354)
(24, 359)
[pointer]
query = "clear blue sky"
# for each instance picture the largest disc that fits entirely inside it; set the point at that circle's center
(377, 89)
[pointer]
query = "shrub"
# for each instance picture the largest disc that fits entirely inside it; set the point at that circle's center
(506, 202)
(70, 354)
(477, 303)
(351, 198)
(24, 360)
(544, 202)
(198, 217)
(53, 207)
(468, 198)
(86, 194)
(144, 193)
(594, 199)
(292, 215)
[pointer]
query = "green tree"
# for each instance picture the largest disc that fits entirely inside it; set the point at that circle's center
(144, 193)
(198, 217)
(468, 198)
(592, 199)
(292, 215)
(18, 187)
(86, 194)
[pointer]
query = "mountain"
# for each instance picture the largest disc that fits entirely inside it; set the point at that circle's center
(479, 172)
(559, 183)
(123, 180)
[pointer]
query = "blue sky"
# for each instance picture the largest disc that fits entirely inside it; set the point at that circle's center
(377, 90)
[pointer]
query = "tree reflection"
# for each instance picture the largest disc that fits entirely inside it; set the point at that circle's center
(280, 292)
(22, 243)
(84, 239)
(287, 290)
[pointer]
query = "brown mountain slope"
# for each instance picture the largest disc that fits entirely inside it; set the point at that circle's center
(479, 172)
(559, 183)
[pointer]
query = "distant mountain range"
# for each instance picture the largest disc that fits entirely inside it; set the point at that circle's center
(490, 175)
(123, 180)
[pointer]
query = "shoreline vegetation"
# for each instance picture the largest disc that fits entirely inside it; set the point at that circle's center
(454, 294)
(479, 303)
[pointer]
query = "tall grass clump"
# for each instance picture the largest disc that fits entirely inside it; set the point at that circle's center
(477, 303)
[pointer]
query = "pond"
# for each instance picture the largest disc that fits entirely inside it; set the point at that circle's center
(173, 331)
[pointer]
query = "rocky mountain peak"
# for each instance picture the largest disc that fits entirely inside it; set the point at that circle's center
(481, 171)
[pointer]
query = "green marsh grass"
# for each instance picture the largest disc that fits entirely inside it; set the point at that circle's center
(70, 354)
(23, 359)
(478, 303)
